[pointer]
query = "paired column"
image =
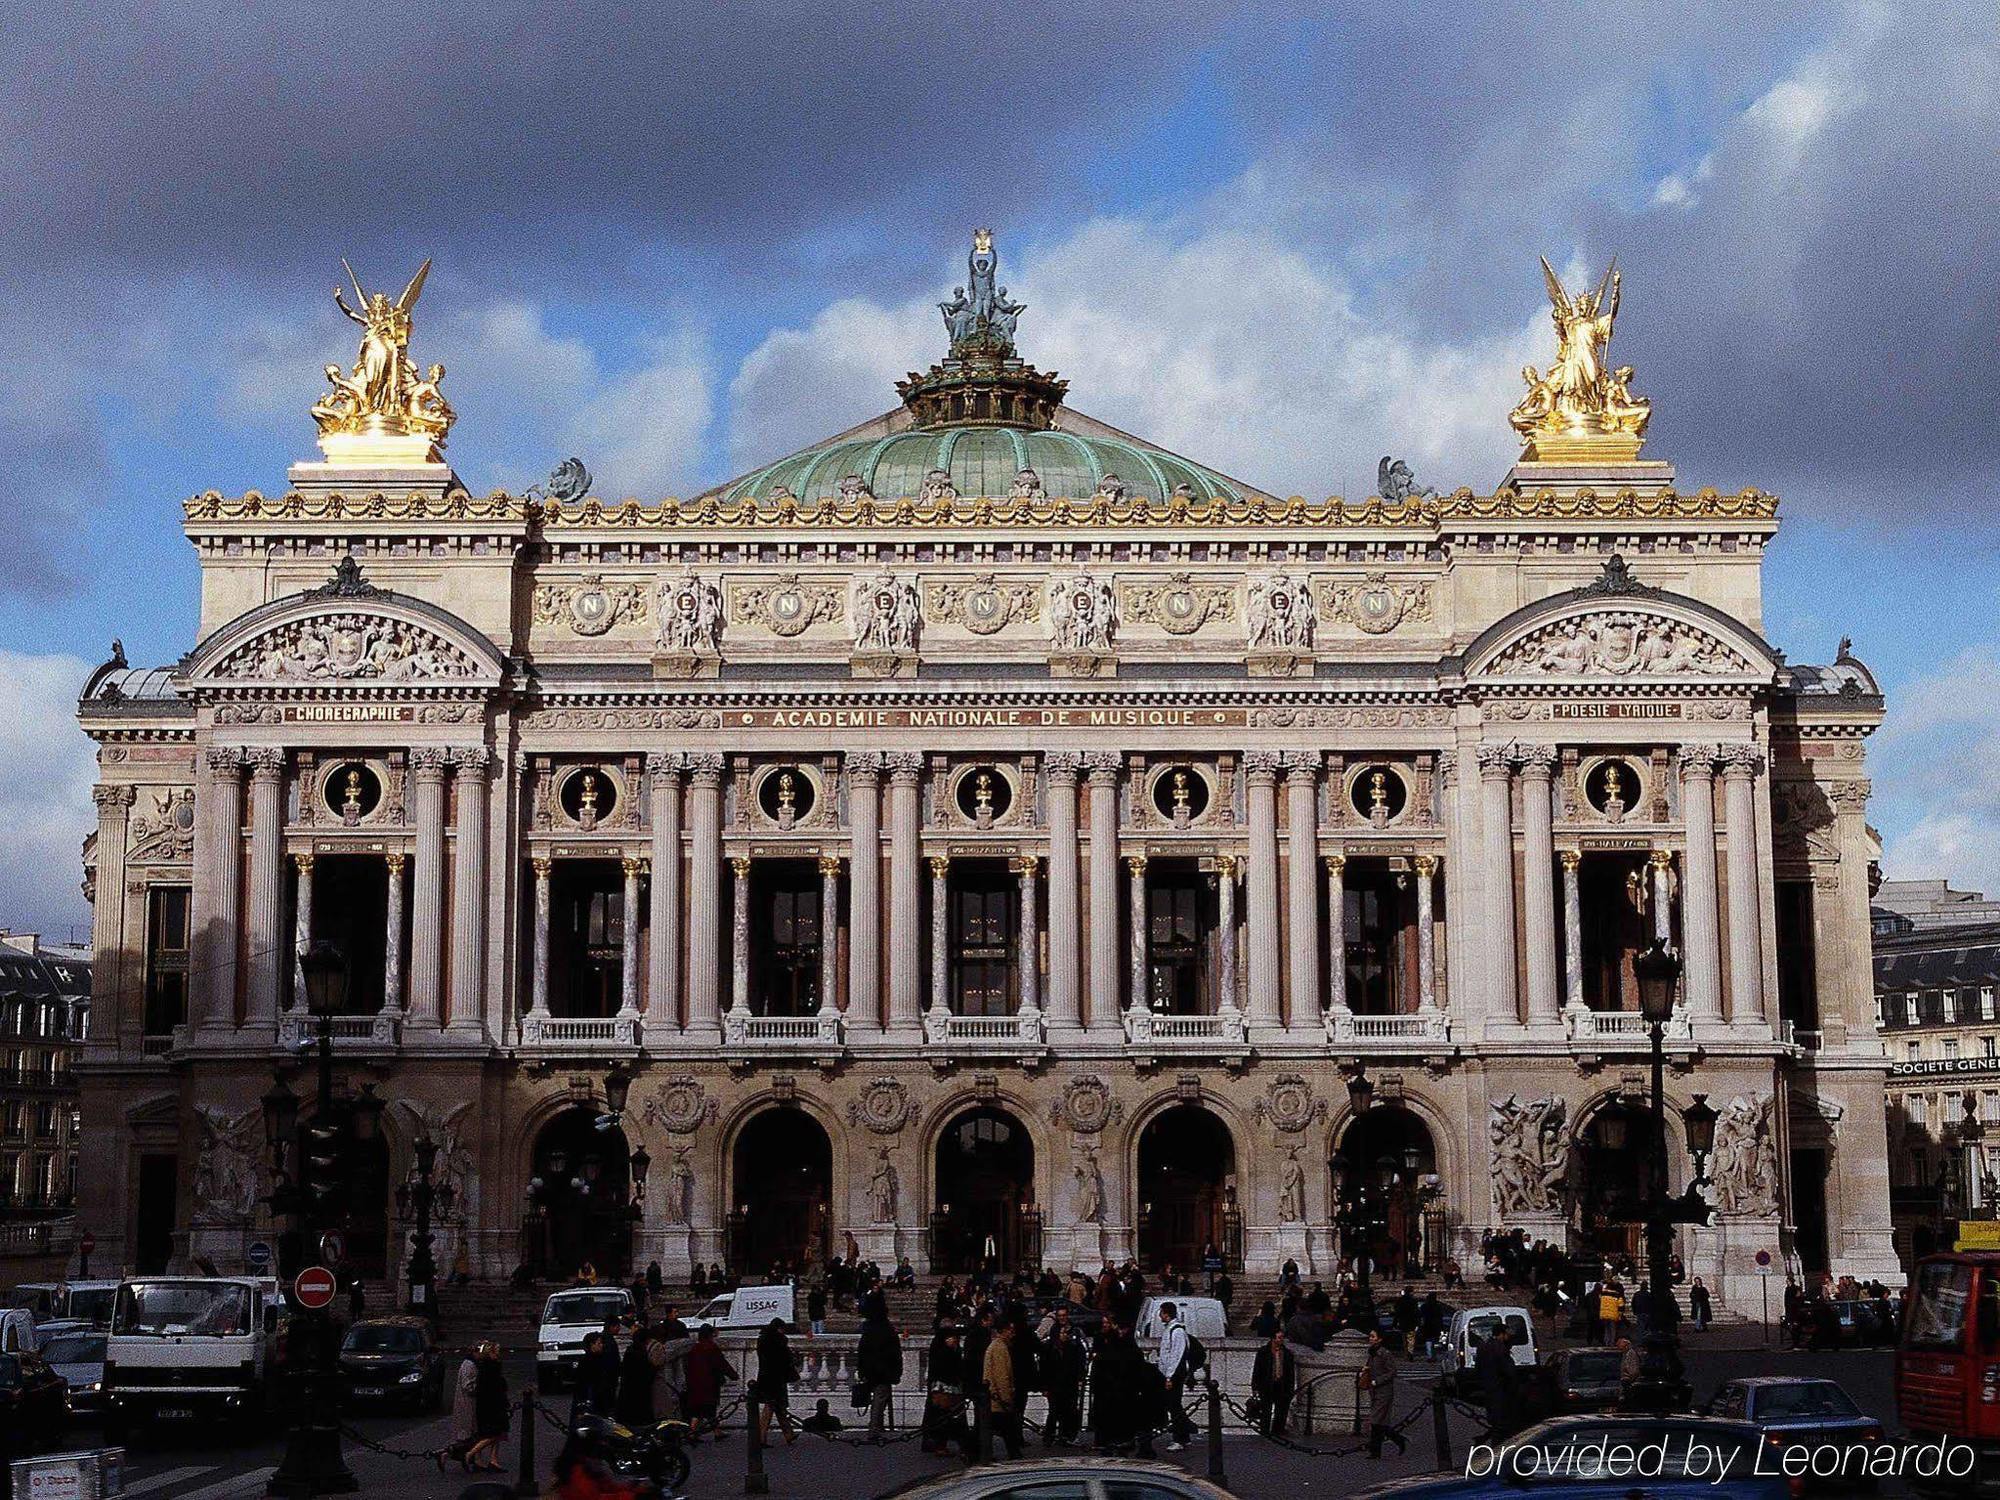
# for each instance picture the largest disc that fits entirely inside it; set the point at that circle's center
(1572, 861)
(704, 929)
(1225, 891)
(1700, 922)
(940, 935)
(1261, 782)
(1740, 765)
(1140, 996)
(1060, 769)
(1426, 867)
(468, 905)
(538, 1003)
(864, 891)
(1336, 935)
(1104, 1009)
(829, 935)
(107, 913)
(1496, 822)
(267, 885)
(905, 891)
(1031, 940)
(392, 937)
(1302, 904)
(1538, 764)
(215, 920)
(628, 956)
(427, 772)
(663, 967)
(302, 925)
(739, 939)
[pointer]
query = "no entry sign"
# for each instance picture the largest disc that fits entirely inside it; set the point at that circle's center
(314, 1288)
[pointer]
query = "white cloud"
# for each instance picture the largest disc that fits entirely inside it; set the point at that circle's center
(45, 801)
(1682, 189)
(641, 431)
(1937, 800)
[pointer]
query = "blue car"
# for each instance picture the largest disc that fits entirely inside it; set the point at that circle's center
(1810, 1415)
(1611, 1456)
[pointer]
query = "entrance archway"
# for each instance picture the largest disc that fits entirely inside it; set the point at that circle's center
(579, 1197)
(985, 1218)
(782, 1172)
(1386, 1191)
(1611, 1180)
(1187, 1170)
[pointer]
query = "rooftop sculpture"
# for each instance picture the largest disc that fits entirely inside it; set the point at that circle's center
(1582, 410)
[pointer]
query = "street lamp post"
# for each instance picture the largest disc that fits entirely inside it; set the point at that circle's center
(1978, 1200)
(423, 1266)
(1351, 1187)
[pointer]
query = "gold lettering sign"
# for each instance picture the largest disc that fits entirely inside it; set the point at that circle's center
(346, 713)
(987, 718)
(1616, 711)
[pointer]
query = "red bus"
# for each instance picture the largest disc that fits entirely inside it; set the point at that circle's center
(1948, 1358)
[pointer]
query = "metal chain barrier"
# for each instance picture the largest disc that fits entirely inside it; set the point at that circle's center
(425, 1455)
(1309, 1451)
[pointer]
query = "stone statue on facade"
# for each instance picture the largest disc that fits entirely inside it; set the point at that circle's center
(885, 611)
(227, 1165)
(1530, 1154)
(691, 615)
(1082, 614)
(680, 1190)
(1396, 484)
(1292, 1190)
(882, 1188)
(1089, 1190)
(1745, 1169)
(1281, 613)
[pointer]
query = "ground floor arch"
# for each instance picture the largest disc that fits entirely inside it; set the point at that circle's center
(1611, 1169)
(1387, 1193)
(984, 1215)
(1187, 1190)
(781, 1178)
(579, 1197)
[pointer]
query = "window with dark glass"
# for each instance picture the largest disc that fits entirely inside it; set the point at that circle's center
(1175, 902)
(1372, 923)
(166, 958)
(785, 963)
(981, 929)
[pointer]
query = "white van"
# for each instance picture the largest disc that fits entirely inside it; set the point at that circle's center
(747, 1307)
(1201, 1316)
(188, 1348)
(570, 1317)
(1472, 1326)
(85, 1301)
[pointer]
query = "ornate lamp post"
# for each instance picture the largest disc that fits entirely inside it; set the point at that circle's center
(1347, 1180)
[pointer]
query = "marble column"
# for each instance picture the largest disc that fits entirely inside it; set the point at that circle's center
(1572, 861)
(663, 960)
(1060, 769)
(427, 772)
(1701, 934)
(1496, 821)
(940, 935)
(1662, 862)
(1104, 1009)
(1740, 765)
(1139, 996)
(1336, 934)
(302, 926)
(267, 885)
(905, 891)
(1538, 765)
(628, 956)
(1031, 939)
(538, 992)
(107, 924)
(739, 938)
(1302, 895)
(1426, 868)
(216, 902)
(1261, 781)
(829, 934)
(468, 895)
(864, 892)
(704, 919)
(1225, 916)
(392, 937)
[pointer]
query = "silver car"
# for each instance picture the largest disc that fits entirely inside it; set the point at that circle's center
(79, 1358)
(1062, 1479)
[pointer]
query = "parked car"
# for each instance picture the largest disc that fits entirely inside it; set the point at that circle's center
(1061, 1479)
(56, 1328)
(1585, 1379)
(392, 1362)
(89, 1301)
(1866, 1324)
(78, 1357)
(34, 1404)
(1472, 1326)
(1527, 1460)
(1794, 1412)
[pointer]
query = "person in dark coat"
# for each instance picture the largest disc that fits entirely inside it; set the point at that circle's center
(878, 1365)
(490, 1408)
(944, 1400)
(1117, 1387)
(635, 1382)
(1061, 1371)
(775, 1374)
(596, 1378)
(1274, 1376)
(1493, 1367)
(1430, 1323)
(1379, 1376)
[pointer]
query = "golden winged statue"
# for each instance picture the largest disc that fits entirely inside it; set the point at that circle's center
(1581, 409)
(385, 410)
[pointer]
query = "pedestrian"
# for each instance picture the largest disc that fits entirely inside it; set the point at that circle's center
(1700, 1309)
(668, 1355)
(1406, 1315)
(464, 1413)
(708, 1371)
(822, 1422)
(1378, 1378)
(1493, 1367)
(1003, 1395)
(944, 1398)
(635, 1382)
(1061, 1372)
(1430, 1323)
(816, 1309)
(596, 1378)
(1174, 1366)
(1266, 1322)
(1116, 1376)
(1225, 1293)
(878, 1365)
(655, 1281)
(640, 1294)
(490, 1410)
(775, 1374)
(1274, 1376)
(357, 1300)
(1629, 1365)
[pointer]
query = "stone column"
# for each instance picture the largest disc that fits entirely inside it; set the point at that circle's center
(216, 902)
(739, 939)
(1031, 939)
(1225, 890)
(704, 925)
(1497, 854)
(1336, 935)
(1302, 896)
(1538, 764)
(1140, 996)
(940, 935)
(1572, 931)
(267, 885)
(628, 956)
(864, 892)
(1059, 776)
(905, 892)
(427, 771)
(1740, 765)
(663, 967)
(1662, 861)
(1701, 933)
(1427, 998)
(829, 934)
(1261, 780)
(392, 937)
(538, 980)
(468, 904)
(107, 923)
(302, 926)
(1104, 1009)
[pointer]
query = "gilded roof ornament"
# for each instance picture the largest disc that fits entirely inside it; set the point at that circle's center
(385, 411)
(1582, 410)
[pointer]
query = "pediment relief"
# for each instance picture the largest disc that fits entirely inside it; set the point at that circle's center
(1620, 643)
(347, 646)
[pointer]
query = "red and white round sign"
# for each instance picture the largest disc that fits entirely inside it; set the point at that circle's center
(87, 1243)
(314, 1287)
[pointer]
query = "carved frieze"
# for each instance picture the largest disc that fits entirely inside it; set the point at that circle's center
(1530, 1154)
(164, 835)
(624, 718)
(680, 1106)
(1281, 613)
(691, 614)
(1802, 819)
(1086, 1105)
(1353, 716)
(589, 606)
(1618, 643)
(985, 605)
(1289, 1104)
(1082, 614)
(787, 605)
(1178, 604)
(1374, 605)
(347, 647)
(884, 1107)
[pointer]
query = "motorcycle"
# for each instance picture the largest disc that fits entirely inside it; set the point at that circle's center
(656, 1454)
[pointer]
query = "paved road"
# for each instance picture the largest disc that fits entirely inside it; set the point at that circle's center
(189, 1468)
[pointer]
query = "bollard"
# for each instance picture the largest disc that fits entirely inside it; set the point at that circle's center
(1441, 1428)
(526, 1483)
(1215, 1470)
(755, 1480)
(982, 1429)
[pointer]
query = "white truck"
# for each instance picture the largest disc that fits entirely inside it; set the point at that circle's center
(748, 1307)
(189, 1348)
(570, 1317)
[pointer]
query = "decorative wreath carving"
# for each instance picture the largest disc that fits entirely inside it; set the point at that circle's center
(884, 1107)
(1289, 1104)
(680, 1106)
(1086, 1106)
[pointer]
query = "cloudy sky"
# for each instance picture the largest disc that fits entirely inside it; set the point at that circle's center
(1283, 240)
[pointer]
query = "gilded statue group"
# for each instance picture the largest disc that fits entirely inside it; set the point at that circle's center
(1580, 395)
(385, 393)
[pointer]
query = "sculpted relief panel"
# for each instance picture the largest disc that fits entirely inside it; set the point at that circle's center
(347, 647)
(1530, 1154)
(1746, 1157)
(1622, 643)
